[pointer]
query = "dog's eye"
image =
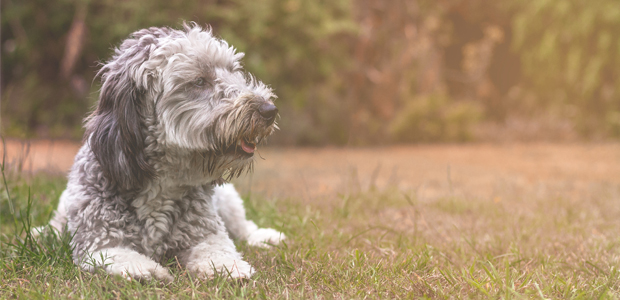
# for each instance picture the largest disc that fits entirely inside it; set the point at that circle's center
(200, 82)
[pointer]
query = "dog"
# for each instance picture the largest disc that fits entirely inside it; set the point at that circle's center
(176, 116)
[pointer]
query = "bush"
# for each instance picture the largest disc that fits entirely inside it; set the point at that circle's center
(569, 51)
(296, 46)
(432, 118)
(345, 71)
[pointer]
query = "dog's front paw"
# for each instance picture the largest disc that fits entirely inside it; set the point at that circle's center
(140, 274)
(127, 263)
(233, 268)
(140, 270)
(264, 237)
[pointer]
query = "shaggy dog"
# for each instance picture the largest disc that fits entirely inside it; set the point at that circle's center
(176, 115)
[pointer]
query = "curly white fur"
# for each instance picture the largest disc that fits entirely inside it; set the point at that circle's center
(176, 114)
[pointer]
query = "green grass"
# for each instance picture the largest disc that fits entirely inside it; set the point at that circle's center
(372, 244)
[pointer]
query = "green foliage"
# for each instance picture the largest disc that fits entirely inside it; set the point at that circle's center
(296, 46)
(570, 51)
(435, 117)
(32, 40)
(612, 121)
(345, 71)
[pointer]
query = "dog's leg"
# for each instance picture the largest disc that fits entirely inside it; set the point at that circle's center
(125, 262)
(216, 254)
(230, 208)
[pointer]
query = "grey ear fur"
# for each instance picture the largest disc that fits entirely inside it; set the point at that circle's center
(114, 130)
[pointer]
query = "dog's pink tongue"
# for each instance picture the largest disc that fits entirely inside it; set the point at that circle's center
(247, 148)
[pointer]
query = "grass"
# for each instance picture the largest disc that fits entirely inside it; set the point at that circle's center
(369, 244)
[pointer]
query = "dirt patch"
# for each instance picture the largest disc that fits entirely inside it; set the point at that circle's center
(476, 170)
(39, 155)
(480, 170)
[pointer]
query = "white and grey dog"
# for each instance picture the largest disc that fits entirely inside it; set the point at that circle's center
(176, 114)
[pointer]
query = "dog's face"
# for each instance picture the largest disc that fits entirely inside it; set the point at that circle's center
(204, 100)
(185, 89)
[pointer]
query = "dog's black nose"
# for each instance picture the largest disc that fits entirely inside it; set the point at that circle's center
(268, 111)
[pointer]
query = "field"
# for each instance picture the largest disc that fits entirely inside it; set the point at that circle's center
(515, 221)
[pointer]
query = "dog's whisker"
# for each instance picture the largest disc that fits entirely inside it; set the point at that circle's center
(261, 157)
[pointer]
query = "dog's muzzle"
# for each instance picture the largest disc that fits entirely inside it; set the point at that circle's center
(245, 146)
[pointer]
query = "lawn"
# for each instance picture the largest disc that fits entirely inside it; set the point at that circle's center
(547, 241)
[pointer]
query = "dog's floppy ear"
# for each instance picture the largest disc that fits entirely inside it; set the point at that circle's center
(115, 130)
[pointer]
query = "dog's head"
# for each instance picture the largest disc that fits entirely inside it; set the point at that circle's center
(186, 92)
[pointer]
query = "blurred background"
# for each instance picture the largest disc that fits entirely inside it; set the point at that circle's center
(347, 72)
